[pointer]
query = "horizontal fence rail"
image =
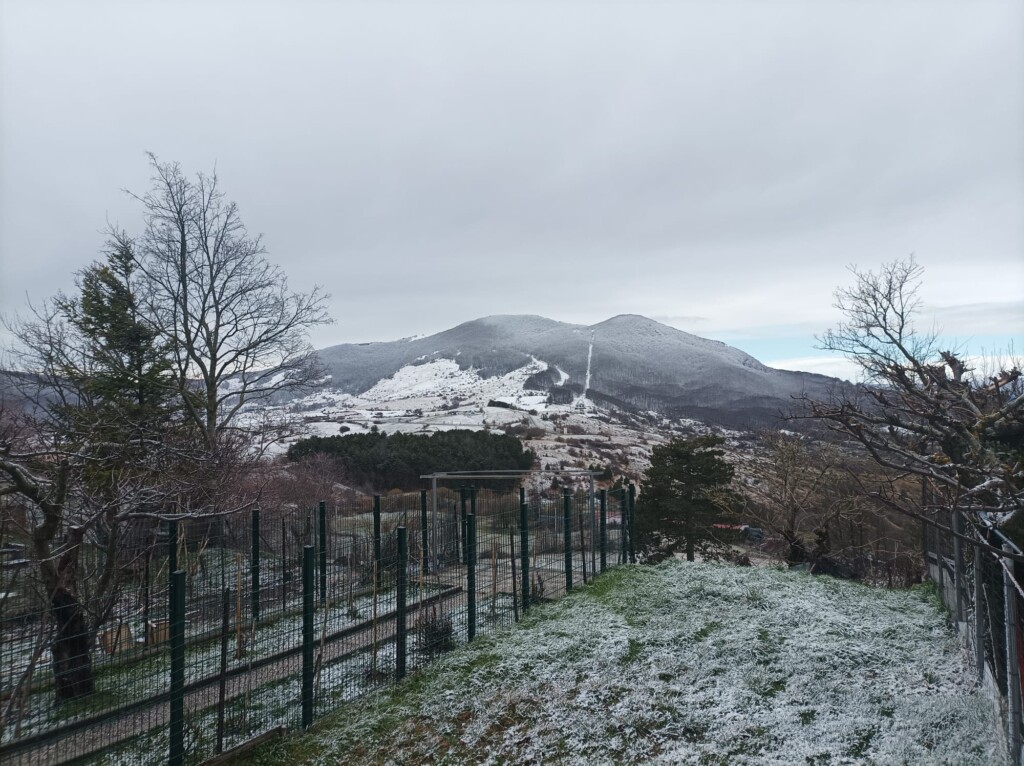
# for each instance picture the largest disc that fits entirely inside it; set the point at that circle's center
(220, 630)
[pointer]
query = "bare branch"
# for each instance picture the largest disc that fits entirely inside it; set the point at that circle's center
(921, 410)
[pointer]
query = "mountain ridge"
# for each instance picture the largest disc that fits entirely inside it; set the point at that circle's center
(634, 362)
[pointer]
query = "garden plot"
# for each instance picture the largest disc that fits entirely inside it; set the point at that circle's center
(346, 674)
(687, 664)
(145, 673)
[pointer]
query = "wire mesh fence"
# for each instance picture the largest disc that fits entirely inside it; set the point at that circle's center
(212, 631)
(978, 573)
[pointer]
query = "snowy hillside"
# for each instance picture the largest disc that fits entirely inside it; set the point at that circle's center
(444, 378)
(627, 362)
(604, 394)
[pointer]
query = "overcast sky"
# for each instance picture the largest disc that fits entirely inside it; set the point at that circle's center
(714, 166)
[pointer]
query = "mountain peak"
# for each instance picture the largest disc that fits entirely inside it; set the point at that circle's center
(635, 323)
(630, 319)
(517, 321)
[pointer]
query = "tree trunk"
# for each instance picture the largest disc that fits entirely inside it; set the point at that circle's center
(798, 553)
(71, 648)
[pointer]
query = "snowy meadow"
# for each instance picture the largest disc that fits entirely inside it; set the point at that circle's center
(686, 664)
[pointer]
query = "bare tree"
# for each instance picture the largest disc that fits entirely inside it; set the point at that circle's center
(236, 333)
(818, 498)
(130, 395)
(50, 493)
(76, 492)
(793, 491)
(921, 411)
(315, 476)
(93, 439)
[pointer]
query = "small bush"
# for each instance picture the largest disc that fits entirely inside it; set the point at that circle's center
(434, 633)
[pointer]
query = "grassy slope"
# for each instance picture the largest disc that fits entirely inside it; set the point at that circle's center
(681, 663)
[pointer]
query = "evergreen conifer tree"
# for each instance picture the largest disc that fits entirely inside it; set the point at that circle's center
(684, 492)
(124, 396)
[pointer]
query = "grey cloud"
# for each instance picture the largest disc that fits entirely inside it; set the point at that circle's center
(679, 320)
(432, 163)
(1003, 318)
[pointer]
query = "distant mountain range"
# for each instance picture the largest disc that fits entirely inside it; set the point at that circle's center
(628, 362)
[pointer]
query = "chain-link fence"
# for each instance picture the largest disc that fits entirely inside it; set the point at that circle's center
(217, 630)
(978, 573)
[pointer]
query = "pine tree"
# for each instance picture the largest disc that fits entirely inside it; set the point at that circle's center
(125, 398)
(684, 492)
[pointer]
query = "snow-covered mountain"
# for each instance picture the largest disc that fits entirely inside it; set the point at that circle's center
(627, 362)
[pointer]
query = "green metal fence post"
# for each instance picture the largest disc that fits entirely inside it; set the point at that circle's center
(603, 529)
(222, 681)
(958, 567)
(471, 576)
(424, 552)
(567, 536)
(979, 620)
(146, 594)
(308, 596)
(172, 547)
(286, 575)
(460, 554)
(623, 526)
(400, 628)
(473, 513)
(377, 557)
(323, 553)
(254, 566)
(524, 552)
(1012, 663)
(462, 522)
(177, 642)
(632, 523)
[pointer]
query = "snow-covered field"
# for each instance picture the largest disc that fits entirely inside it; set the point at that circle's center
(686, 664)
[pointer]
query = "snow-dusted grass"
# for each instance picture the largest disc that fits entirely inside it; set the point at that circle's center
(685, 663)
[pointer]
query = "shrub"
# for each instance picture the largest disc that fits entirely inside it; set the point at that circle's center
(434, 633)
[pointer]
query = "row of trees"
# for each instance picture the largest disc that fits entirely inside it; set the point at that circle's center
(126, 399)
(922, 434)
(398, 461)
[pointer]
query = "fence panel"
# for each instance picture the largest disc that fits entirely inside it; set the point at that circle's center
(978, 582)
(246, 627)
